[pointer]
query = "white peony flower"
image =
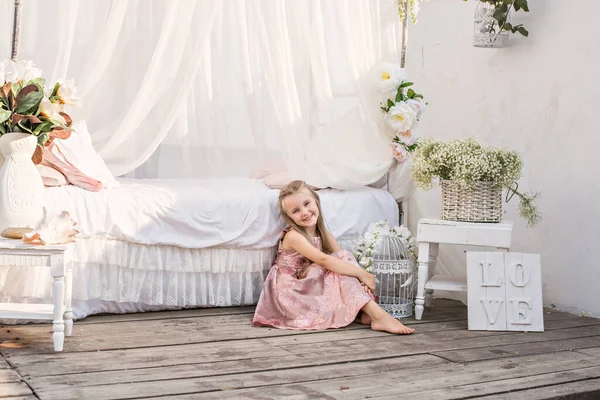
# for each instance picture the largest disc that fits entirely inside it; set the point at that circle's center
(29, 70)
(401, 117)
(51, 110)
(418, 106)
(400, 153)
(2, 80)
(67, 93)
(10, 70)
(390, 77)
(406, 137)
(20, 70)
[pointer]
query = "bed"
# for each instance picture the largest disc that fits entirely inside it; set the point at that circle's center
(167, 244)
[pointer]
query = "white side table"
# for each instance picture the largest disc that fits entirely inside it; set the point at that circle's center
(432, 232)
(58, 259)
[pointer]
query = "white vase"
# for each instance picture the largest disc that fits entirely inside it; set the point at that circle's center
(21, 186)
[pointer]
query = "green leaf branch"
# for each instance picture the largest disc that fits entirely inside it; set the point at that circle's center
(527, 208)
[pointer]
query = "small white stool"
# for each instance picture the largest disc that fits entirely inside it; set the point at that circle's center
(432, 232)
(58, 259)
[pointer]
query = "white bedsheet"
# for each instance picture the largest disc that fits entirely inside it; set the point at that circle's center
(200, 213)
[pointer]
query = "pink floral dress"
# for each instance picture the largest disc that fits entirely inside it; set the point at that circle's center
(301, 295)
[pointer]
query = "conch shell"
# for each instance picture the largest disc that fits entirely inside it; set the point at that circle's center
(52, 229)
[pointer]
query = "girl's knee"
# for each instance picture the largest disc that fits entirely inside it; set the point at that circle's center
(344, 255)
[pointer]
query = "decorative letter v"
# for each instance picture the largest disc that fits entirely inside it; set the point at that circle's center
(491, 313)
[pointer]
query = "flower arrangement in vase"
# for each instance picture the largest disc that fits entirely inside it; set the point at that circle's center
(468, 168)
(402, 110)
(31, 117)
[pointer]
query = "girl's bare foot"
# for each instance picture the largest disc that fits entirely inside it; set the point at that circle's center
(365, 319)
(388, 324)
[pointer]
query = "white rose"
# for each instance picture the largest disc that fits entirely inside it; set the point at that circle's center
(390, 77)
(403, 231)
(51, 110)
(401, 117)
(418, 106)
(67, 93)
(2, 81)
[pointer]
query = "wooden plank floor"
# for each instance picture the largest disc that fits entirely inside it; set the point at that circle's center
(216, 354)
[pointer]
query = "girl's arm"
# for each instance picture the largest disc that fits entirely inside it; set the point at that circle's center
(336, 246)
(294, 240)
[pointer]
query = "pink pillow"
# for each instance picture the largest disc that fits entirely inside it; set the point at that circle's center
(277, 181)
(77, 159)
(51, 177)
(268, 169)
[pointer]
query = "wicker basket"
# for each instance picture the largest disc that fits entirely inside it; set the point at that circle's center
(479, 203)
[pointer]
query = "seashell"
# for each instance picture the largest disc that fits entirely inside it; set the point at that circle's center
(52, 229)
(15, 233)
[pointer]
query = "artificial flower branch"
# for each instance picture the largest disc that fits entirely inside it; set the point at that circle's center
(402, 110)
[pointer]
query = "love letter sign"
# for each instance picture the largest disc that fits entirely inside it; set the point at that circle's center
(504, 292)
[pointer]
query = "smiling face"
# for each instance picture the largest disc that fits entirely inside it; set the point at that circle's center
(302, 208)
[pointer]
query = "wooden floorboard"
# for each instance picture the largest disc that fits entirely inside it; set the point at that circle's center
(12, 386)
(447, 381)
(216, 353)
(577, 390)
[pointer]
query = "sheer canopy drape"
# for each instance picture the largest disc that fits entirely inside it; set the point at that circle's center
(209, 88)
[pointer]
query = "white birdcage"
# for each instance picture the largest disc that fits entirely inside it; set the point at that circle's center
(394, 268)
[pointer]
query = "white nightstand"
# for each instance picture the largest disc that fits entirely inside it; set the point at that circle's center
(58, 259)
(432, 232)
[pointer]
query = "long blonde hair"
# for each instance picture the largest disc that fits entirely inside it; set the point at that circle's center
(291, 189)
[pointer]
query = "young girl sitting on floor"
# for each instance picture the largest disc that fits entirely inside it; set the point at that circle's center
(313, 283)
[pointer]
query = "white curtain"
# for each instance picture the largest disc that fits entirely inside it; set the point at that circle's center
(209, 88)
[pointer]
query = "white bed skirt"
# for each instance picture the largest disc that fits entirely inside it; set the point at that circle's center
(111, 276)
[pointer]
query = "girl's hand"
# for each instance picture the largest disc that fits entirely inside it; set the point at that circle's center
(368, 280)
(367, 289)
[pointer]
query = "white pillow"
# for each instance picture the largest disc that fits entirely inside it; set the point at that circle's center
(78, 150)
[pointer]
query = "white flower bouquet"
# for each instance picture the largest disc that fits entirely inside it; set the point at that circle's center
(467, 162)
(28, 106)
(403, 111)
